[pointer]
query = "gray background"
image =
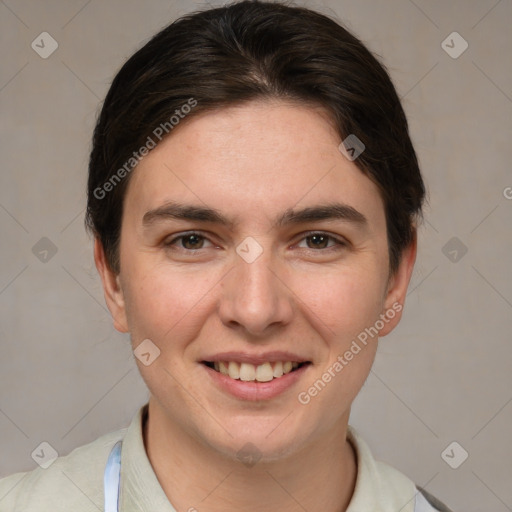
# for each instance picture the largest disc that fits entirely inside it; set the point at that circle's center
(67, 377)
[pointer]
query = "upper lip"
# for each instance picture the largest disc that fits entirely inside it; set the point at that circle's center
(255, 359)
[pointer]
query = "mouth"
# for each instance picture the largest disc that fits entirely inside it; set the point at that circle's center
(247, 372)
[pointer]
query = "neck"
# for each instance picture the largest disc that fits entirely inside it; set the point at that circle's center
(195, 477)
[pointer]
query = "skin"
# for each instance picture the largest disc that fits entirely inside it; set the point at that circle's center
(196, 297)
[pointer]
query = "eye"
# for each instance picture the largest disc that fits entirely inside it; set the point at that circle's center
(187, 242)
(319, 240)
(315, 241)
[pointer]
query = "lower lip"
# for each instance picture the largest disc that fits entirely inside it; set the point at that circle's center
(256, 390)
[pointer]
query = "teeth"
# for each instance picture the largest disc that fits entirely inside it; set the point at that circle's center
(278, 369)
(264, 372)
(223, 368)
(234, 370)
(249, 373)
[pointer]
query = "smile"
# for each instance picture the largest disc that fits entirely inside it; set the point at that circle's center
(248, 372)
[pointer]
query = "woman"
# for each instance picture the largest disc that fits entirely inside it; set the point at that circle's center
(254, 194)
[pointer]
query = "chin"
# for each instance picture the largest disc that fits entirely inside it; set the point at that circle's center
(263, 442)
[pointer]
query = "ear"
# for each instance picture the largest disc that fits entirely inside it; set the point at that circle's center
(111, 288)
(397, 288)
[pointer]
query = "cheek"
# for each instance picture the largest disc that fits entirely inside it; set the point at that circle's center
(160, 304)
(343, 302)
(347, 306)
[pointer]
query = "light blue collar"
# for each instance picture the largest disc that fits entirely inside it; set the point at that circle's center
(112, 479)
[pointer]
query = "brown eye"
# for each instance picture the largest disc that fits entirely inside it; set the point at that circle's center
(318, 241)
(187, 242)
(192, 241)
(322, 241)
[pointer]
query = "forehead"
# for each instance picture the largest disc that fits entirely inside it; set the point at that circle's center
(260, 158)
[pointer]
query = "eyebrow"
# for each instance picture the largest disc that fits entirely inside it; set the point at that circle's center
(331, 211)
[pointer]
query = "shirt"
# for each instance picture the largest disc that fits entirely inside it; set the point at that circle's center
(75, 481)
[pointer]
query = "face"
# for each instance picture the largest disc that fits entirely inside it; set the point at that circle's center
(251, 246)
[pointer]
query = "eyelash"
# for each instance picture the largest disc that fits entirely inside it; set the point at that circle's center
(340, 243)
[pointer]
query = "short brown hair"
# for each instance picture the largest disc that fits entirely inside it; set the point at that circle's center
(245, 51)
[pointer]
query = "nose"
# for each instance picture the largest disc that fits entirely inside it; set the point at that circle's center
(255, 297)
